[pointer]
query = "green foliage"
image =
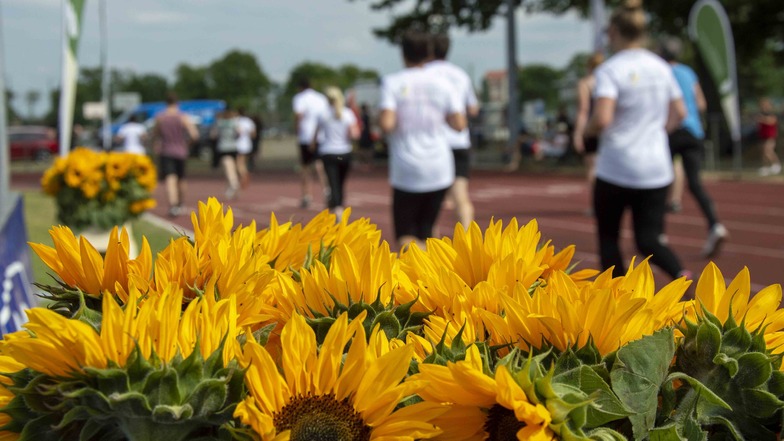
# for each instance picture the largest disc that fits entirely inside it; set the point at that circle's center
(639, 369)
(539, 81)
(579, 400)
(184, 399)
(394, 320)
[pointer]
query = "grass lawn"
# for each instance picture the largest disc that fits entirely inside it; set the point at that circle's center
(40, 215)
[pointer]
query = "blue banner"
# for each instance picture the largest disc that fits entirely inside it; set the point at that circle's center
(16, 275)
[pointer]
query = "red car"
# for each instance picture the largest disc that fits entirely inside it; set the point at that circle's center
(32, 142)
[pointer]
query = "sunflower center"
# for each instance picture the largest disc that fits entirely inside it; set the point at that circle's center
(502, 424)
(321, 418)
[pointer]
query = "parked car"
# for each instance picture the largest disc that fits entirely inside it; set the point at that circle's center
(32, 142)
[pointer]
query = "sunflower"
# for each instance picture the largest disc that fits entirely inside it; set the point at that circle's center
(483, 406)
(142, 205)
(607, 312)
(80, 265)
(293, 246)
(501, 257)
(322, 394)
(51, 181)
(144, 171)
(60, 347)
(762, 311)
(7, 366)
(354, 275)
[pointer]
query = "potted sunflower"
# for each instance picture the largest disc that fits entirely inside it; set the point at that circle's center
(96, 191)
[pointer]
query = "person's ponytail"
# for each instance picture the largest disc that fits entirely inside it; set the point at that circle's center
(336, 100)
(629, 20)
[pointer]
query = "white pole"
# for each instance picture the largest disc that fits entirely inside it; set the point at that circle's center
(65, 122)
(105, 83)
(5, 157)
(598, 17)
(513, 113)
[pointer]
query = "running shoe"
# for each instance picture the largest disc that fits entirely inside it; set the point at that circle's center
(718, 234)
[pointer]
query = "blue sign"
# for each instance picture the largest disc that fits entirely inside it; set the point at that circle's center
(16, 290)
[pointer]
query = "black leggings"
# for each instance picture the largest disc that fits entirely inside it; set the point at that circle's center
(414, 214)
(683, 143)
(336, 168)
(647, 205)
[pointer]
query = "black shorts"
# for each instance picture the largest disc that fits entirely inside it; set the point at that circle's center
(682, 140)
(170, 166)
(414, 214)
(591, 144)
(462, 162)
(306, 156)
(231, 154)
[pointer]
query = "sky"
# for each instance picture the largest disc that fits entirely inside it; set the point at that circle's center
(154, 36)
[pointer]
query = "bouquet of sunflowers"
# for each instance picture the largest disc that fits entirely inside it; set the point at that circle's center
(100, 189)
(320, 332)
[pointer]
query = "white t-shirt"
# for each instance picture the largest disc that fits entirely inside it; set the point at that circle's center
(132, 134)
(421, 159)
(336, 132)
(244, 127)
(633, 149)
(309, 104)
(461, 83)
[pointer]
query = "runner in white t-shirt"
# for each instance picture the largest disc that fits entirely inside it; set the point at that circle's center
(308, 104)
(637, 102)
(460, 141)
(246, 130)
(133, 135)
(336, 128)
(416, 106)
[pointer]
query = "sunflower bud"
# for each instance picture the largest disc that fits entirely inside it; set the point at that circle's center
(734, 364)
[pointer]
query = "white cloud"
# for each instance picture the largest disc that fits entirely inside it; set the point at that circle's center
(154, 18)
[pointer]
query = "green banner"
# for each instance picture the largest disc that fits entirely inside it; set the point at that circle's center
(709, 29)
(72, 26)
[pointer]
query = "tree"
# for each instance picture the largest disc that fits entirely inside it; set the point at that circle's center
(151, 87)
(191, 82)
(31, 97)
(10, 113)
(238, 79)
(540, 81)
(756, 24)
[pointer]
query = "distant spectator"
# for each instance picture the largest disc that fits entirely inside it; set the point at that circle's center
(416, 104)
(637, 102)
(686, 142)
(225, 132)
(172, 135)
(337, 127)
(587, 146)
(308, 104)
(256, 141)
(460, 141)
(367, 145)
(132, 136)
(767, 126)
(246, 131)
